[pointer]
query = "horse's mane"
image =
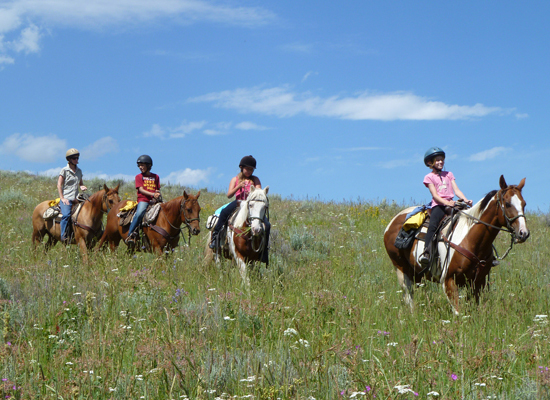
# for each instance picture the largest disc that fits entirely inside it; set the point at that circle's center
(476, 211)
(242, 214)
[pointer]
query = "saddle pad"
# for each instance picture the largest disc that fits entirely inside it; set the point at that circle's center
(51, 213)
(151, 213)
(212, 221)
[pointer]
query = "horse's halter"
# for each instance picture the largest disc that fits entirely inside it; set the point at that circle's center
(187, 221)
(509, 221)
(251, 218)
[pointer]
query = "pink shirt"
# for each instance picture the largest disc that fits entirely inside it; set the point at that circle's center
(443, 185)
(150, 183)
(242, 193)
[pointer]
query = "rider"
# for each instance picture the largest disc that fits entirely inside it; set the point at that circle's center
(239, 186)
(148, 188)
(68, 183)
(443, 187)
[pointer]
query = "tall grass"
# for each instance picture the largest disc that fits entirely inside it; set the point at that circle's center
(324, 321)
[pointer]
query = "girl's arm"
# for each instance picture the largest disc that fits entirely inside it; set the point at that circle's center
(438, 198)
(60, 183)
(233, 187)
(460, 194)
(82, 187)
(148, 193)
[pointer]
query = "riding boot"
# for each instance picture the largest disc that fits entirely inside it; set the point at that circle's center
(131, 239)
(426, 256)
(214, 239)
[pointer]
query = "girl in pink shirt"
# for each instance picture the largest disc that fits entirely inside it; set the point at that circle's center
(443, 187)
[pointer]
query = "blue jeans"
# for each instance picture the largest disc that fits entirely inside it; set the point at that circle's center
(65, 220)
(140, 210)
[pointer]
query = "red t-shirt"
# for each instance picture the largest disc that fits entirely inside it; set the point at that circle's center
(150, 183)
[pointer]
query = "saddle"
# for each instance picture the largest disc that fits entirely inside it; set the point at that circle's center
(54, 210)
(126, 214)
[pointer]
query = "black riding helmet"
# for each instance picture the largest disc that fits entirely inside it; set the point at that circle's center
(431, 153)
(145, 159)
(248, 161)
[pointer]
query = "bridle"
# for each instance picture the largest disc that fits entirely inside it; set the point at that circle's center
(252, 218)
(187, 221)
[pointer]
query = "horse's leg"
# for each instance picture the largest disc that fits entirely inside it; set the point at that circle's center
(451, 290)
(81, 241)
(408, 288)
(208, 252)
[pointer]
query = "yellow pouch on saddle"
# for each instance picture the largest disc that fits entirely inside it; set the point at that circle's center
(130, 205)
(415, 221)
(54, 203)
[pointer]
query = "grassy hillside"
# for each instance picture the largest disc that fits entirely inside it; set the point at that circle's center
(324, 321)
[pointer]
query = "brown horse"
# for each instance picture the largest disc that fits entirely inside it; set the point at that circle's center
(87, 227)
(246, 234)
(165, 233)
(465, 252)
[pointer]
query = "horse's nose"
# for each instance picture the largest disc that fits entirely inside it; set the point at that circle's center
(196, 231)
(523, 235)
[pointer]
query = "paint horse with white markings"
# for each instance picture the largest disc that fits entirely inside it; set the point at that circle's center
(465, 249)
(247, 233)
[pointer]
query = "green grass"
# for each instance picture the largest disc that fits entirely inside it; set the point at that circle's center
(324, 321)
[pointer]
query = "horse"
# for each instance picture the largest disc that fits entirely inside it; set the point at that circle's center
(86, 227)
(465, 253)
(246, 232)
(164, 234)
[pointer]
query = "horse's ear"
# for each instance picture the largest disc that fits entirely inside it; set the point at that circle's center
(185, 195)
(252, 188)
(521, 184)
(266, 189)
(198, 194)
(502, 182)
(116, 189)
(105, 187)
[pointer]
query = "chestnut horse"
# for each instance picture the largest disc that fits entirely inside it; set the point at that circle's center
(87, 227)
(465, 253)
(165, 233)
(246, 234)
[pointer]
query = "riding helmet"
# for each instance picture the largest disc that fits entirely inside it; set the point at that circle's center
(145, 159)
(71, 152)
(248, 161)
(431, 153)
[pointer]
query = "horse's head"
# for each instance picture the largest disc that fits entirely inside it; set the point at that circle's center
(258, 205)
(110, 198)
(512, 205)
(190, 212)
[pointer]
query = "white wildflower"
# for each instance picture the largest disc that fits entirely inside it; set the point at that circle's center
(434, 394)
(402, 389)
(290, 331)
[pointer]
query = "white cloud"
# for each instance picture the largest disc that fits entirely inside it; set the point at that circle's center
(30, 17)
(248, 126)
(188, 177)
(156, 131)
(6, 60)
(28, 42)
(174, 133)
(41, 149)
(281, 102)
(186, 128)
(488, 154)
(99, 148)
(308, 74)
(213, 132)
(97, 13)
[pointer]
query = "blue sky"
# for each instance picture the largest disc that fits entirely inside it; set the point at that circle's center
(337, 101)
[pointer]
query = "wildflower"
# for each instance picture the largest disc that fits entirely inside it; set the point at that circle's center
(290, 331)
(403, 389)
(393, 344)
(227, 318)
(354, 394)
(434, 394)
(367, 388)
(304, 342)
(249, 379)
(454, 377)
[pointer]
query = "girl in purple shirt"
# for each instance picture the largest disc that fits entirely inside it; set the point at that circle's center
(443, 187)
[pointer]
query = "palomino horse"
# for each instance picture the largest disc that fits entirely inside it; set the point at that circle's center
(466, 253)
(246, 234)
(86, 228)
(165, 233)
